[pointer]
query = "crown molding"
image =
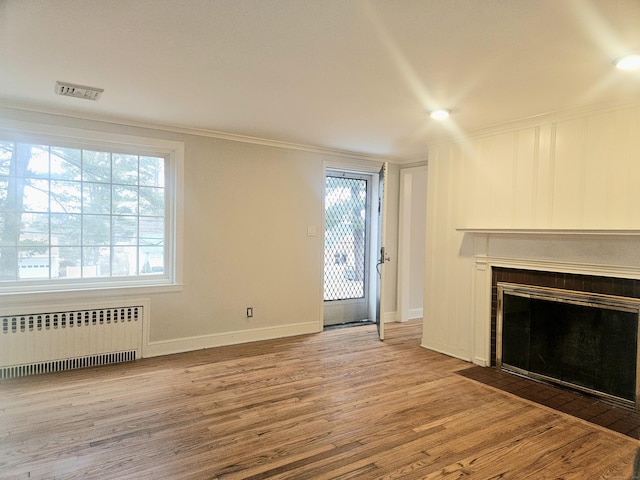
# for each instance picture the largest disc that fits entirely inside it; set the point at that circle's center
(117, 121)
(533, 121)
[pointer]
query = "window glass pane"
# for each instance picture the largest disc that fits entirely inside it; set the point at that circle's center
(65, 229)
(151, 230)
(9, 222)
(34, 160)
(96, 197)
(125, 260)
(125, 169)
(8, 263)
(96, 230)
(125, 200)
(125, 230)
(33, 263)
(96, 262)
(152, 259)
(66, 196)
(96, 166)
(36, 195)
(34, 229)
(151, 201)
(69, 262)
(6, 154)
(152, 171)
(65, 163)
(4, 192)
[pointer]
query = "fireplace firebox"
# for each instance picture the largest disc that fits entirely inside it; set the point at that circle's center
(583, 340)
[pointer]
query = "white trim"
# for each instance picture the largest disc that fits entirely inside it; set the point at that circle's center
(554, 116)
(551, 231)
(84, 303)
(85, 294)
(536, 120)
(415, 313)
(187, 344)
(562, 267)
(444, 349)
(210, 134)
(354, 165)
(481, 302)
(390, 317)
(482, 289)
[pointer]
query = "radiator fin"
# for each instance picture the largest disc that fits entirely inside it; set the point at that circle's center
(56, 340)
(67, 364)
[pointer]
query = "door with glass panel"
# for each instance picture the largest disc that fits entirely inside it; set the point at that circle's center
(347, 247)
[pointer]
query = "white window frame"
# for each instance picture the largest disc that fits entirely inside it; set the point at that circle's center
(173, 151)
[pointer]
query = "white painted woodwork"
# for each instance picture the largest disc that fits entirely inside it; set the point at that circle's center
(562, 194)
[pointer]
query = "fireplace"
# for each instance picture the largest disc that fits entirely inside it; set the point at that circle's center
(579, 331)
(585, 341)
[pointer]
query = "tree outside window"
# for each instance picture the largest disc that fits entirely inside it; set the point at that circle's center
(80, 213)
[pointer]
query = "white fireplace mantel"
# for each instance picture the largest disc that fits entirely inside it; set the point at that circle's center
(600, 252)
(550, 231)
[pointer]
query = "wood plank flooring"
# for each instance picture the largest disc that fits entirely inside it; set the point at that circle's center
(335, 405)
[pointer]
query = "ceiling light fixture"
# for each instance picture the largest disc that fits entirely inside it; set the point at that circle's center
(439, 114)
(628, 62)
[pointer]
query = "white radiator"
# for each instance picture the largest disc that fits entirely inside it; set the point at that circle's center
(63, 339)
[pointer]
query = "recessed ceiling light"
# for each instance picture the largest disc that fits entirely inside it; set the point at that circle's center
(628, 62)
(439, 114)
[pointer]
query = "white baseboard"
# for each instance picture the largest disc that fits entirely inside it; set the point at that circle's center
(446, 350)
(483, 362)
(188, 344)
(416, 313)
(390, 317)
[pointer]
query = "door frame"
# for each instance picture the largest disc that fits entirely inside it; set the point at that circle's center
(350, 309)
(358, 168)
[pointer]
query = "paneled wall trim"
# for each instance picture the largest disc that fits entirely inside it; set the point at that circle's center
(558, 195)
(578, 173)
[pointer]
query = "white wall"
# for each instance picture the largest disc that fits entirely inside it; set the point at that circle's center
(411, 247)
(579, 171)
(418, 238)
(246, 212)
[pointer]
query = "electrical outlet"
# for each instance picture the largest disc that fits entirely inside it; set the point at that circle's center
(249, 312)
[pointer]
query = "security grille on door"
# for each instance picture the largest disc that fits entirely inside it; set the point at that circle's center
(345, 238)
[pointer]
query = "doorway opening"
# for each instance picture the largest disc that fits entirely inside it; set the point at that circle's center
(346, 248)
(353, 231)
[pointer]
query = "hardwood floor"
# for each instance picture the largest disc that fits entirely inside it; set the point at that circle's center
(339, 404)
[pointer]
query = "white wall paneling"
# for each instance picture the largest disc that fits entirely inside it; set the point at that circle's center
(576, 175)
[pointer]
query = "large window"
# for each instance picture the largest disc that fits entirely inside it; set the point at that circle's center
(74, 214)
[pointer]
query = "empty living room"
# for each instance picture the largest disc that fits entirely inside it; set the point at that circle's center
(302, 239)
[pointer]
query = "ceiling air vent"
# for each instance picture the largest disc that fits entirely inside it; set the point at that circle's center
(78, 91)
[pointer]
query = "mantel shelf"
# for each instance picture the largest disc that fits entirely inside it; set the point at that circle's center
(550, 231)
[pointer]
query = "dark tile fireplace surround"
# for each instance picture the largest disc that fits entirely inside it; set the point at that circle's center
(578, 404)
(622, 287)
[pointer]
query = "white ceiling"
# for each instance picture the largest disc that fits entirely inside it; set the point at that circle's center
(352, 75)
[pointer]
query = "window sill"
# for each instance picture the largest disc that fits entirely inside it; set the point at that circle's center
(57, 293)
